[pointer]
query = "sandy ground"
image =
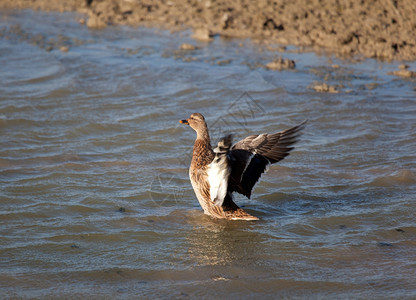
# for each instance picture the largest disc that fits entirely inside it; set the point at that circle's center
(382, 29)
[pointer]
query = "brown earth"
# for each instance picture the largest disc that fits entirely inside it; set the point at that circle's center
(382, 29)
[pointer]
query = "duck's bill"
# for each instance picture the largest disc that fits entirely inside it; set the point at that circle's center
(184, 122)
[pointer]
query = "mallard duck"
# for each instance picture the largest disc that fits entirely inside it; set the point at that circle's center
(216, 173)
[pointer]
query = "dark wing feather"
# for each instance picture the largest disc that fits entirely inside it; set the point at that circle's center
(250, 157)
(274, 146)
(245, 174)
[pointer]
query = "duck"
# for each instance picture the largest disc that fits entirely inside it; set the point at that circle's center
(215, 174)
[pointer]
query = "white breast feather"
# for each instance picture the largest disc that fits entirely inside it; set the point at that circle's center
(218, 174)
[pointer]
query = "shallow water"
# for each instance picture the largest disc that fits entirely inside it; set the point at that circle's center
(95, 195)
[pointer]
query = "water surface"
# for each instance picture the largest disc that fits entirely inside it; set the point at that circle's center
(95, 195)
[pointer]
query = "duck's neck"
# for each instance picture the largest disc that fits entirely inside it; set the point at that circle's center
(202, 134)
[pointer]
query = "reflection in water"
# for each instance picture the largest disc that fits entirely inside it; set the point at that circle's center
(218, 242)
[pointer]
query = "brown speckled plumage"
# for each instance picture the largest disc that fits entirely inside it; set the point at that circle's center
(202, 154)
(247, 160)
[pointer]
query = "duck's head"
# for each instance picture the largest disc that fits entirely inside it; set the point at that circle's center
(196, 121)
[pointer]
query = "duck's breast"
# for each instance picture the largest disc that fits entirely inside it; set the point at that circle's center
(218, 174)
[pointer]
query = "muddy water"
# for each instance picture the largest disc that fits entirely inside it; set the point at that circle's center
(95, 196)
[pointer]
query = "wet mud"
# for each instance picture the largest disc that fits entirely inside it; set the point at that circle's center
(383, 30)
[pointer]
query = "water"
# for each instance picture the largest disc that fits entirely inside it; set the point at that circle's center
(95, 195)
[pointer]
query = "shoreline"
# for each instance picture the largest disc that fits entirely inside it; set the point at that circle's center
(382, 30)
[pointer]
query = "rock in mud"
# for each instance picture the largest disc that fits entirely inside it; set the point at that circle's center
(325, 88)
(96, 22)
(403, 73)
(281, 64)
(203, 34)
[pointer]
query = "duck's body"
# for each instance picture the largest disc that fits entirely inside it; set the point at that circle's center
(209, 181)
(216, 174)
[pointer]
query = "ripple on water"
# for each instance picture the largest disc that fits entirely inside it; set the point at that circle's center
(398, 178)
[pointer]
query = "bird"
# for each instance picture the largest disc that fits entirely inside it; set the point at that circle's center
(216, 173)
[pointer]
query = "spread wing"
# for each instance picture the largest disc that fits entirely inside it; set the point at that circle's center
(251, 157)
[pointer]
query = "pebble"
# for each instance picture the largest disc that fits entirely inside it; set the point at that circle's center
(224, 62)
(186, 46)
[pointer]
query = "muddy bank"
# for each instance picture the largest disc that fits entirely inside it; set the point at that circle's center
(381, 29)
